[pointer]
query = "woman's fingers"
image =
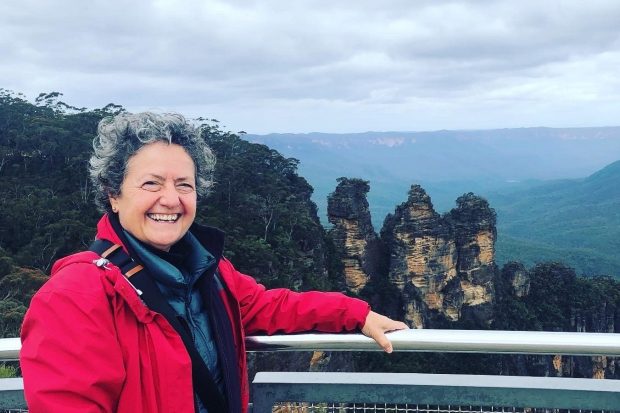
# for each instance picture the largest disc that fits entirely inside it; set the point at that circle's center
(377, 325)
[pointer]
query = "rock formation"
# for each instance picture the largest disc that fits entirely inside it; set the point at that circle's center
(352, 233)
(473, 223)
(442, 265)
(423, 258)
(517, 277)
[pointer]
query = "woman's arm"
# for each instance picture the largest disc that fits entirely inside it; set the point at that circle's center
(281, 310)
(70, 359)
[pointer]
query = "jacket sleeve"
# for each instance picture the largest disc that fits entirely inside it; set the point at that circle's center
(70, 358)
(281, 310)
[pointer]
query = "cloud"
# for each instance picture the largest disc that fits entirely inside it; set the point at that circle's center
(313, 65)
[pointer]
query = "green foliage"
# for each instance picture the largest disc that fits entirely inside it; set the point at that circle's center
(22, 283)
(7, 371)
(18, 285)
(512, 314)
(11, 315)
(45, 194)
(558, 300)
(272, 227)
(552, 292)
(586, 261)
(418, 362)
(6, 264)
(573, 221)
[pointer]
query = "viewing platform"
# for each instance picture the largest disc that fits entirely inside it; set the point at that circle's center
(413, 392)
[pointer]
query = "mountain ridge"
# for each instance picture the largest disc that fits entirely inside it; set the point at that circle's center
(464, 160)
(573, 220)
(556, 180)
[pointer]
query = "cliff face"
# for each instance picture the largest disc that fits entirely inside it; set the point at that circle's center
(352, 233)
(442, 265)
(517, 278)
(423, 258)
(473, 222)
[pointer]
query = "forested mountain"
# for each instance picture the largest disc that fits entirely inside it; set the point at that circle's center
(45, 197)
(574, 221)
(430, 269)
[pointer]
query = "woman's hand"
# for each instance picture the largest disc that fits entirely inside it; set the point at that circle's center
(377, 325)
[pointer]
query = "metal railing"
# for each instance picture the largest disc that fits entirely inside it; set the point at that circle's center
(453, 341)
(9, 349)
(403, 392)
(404, 389)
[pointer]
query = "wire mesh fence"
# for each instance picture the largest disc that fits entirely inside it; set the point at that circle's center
(300, 407)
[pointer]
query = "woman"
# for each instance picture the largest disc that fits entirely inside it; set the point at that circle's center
(94, 342)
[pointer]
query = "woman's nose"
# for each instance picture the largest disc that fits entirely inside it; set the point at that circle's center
(169, 196)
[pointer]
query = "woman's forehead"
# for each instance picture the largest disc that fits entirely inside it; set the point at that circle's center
(161, 159)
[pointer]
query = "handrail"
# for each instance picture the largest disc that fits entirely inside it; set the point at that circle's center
(457, 341)
(9, 349)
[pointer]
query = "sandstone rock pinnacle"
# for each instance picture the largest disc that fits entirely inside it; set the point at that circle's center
(352, 233)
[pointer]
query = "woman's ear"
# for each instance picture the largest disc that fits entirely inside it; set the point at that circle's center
(113, 203)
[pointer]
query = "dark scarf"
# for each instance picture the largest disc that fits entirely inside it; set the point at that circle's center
(210, 287)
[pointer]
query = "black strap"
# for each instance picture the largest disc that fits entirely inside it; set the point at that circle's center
(204, 385)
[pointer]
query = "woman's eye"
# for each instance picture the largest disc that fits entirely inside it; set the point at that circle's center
(150, 186)
(185, 188)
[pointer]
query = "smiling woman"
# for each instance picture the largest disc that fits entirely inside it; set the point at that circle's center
(162, 329)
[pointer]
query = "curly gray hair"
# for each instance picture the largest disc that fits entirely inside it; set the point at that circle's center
(120, 137)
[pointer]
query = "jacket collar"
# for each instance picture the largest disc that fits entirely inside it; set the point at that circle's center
(212, 239)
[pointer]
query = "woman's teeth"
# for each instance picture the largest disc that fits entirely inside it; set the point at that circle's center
(164, 217)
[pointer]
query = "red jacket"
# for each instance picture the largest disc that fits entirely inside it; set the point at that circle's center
(89, 344)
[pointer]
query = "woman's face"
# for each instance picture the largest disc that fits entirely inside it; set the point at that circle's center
(157, 203)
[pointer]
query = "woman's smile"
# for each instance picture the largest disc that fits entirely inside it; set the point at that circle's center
(164, 217)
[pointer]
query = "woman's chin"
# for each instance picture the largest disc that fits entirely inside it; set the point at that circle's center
(163, 242)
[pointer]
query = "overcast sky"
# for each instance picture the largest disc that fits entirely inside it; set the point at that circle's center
(327, 66)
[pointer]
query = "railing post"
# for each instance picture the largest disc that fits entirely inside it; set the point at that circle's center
(12, 394)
